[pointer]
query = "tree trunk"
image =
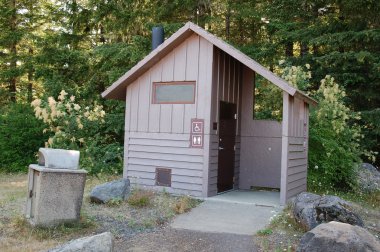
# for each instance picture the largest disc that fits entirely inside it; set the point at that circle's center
(241, 31)
(315, 50)
(30, 78)
(228, 21)
(289, 49)
(304, 49)
(203, 11)
(13, 52)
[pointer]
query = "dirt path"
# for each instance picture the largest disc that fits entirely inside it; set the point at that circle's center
(175, 240)
(138, 235)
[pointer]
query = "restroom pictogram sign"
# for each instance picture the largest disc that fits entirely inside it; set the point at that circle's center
(196, 134)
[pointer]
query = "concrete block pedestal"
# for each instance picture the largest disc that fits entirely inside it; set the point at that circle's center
(54, 195)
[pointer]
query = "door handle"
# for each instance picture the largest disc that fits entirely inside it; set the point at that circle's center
(221, 148)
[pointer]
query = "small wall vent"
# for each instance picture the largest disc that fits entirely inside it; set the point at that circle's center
(163, 177)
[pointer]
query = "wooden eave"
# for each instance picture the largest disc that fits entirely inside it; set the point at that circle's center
(117, 89)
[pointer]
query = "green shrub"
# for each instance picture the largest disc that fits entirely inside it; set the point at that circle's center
(334, 139)
(334, 135)
(20, 137)
(102, 155)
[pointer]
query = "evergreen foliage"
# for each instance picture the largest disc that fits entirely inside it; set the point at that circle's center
(20, 136)
(83, 46)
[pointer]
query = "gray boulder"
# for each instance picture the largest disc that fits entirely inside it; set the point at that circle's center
(117, 189)
(304, 209)
(337, 236)
(310, 210)
(333, 208)
(368, 178)
(98, 243)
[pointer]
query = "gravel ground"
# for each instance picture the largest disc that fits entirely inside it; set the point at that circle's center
(175, 240)
(135, 229)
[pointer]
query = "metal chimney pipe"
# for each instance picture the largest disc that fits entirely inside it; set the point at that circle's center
(157, 36)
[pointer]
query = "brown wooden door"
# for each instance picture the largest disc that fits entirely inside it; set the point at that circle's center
(226, 157)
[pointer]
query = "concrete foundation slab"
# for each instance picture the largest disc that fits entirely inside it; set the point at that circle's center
(258, 198)
(233, 212)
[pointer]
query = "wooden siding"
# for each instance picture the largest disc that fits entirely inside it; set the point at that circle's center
(213, 166)
(295, 147)
(237, 163)
(147, 151)
(158, 135)
(226, 87)
(181, 64)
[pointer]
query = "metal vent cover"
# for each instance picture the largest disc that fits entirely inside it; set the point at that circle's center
(163, 177)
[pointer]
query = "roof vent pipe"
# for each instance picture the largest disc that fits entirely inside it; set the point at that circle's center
(157, 36)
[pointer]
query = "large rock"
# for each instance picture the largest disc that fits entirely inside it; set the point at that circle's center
(98, 243)
(118, 189)
(311, 210)
(304, 209)
(368, 178)
(336, 236)
(333, 208)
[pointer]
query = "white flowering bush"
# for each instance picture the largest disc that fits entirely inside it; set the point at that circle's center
(67, 121)
(70, 125)
(335, 137)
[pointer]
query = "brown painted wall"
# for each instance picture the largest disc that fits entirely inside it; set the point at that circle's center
(260, 156)
(226, 86)
(295, 136)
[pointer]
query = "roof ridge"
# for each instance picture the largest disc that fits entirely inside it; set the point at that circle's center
(154, 56)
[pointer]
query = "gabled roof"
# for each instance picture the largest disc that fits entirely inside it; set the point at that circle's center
(117, 89)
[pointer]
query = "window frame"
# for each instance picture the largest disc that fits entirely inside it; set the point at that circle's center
(173, 83)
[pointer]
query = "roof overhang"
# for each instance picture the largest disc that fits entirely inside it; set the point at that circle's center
(117, 89)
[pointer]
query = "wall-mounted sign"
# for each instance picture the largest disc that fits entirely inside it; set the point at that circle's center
(197, 141)
(196, 134)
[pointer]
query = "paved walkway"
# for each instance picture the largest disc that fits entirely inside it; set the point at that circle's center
(236, 212)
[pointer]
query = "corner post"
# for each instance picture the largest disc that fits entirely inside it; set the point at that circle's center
(284, 147)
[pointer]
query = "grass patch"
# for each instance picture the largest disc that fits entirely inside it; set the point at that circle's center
(286, 221)
(282, 234)
(162, 207)
(185, 204)
(287, 231)
(266, 231)
(22, 227)
(115, 202)
(367, 200)
(143, 211)
(140, 198)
